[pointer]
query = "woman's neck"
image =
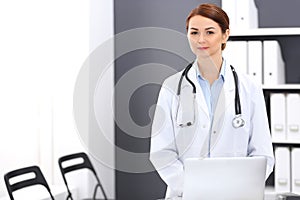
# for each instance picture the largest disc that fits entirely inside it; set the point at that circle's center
(210, 68)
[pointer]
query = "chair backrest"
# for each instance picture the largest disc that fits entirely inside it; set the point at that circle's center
(77, 166)
(39, 179)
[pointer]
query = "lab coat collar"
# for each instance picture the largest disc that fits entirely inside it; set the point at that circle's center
(192, 74)
(226, 97)
(224, 104)
(228, 77)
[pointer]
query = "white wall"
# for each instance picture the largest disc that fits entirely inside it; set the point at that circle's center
(43, 47)
(100, 145)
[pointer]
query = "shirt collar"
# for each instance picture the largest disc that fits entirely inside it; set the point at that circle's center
(222, 72)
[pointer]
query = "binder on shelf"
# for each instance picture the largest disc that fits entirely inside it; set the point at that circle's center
(293, 118)
(255, 61)
(295, 182)
(247, 14)
(236, 54)
(278, 116)
(229, 6)
(242, 14)
(273, 63)
(282, 170)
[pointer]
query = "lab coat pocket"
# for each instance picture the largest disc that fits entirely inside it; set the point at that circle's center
(230, 142)
(185, 140)
(241, 139)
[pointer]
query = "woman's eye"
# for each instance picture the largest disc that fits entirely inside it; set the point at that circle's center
(194, 33)
(210, 32)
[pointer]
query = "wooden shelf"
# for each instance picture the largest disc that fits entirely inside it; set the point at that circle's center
(265, 32)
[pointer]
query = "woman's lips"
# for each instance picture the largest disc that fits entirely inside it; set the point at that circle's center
(202, 48)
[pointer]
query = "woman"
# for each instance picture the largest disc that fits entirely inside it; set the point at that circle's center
(202, 125)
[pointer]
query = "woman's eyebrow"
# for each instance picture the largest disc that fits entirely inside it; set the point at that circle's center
(208, 28)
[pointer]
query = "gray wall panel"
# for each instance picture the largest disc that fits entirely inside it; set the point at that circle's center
(278, 13)
(131, 14)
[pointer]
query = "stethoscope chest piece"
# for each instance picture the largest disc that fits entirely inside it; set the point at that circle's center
(238, 121)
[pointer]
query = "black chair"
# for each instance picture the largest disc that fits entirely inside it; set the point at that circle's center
(39, 179)
(85, 164)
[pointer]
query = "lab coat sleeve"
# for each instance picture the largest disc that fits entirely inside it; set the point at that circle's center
(260, 142)
(163, 150)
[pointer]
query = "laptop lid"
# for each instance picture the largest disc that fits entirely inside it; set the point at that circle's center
(225, 178)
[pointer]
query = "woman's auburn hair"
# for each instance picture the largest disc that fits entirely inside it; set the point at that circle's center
(212, 12)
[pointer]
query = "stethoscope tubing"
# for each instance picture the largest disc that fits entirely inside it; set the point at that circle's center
(184, 74)
(237, 121)
(237, 96)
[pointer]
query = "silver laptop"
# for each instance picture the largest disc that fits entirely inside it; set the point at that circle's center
(228, 178)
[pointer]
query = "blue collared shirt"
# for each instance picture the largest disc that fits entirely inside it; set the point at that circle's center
(211, 92)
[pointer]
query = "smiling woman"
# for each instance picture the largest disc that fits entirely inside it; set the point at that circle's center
(205, 38)
(225, 125)
(208, 28)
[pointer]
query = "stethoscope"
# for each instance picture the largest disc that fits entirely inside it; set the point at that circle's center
(237, 121)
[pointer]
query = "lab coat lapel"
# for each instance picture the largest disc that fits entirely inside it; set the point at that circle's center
(201, 103)
(226, 98)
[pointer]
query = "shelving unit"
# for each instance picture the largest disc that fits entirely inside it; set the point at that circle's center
(284, 88)
(289, 39)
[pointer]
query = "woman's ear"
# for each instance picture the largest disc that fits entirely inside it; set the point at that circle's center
(226, 36)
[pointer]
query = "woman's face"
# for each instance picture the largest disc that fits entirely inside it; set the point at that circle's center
(205, 37)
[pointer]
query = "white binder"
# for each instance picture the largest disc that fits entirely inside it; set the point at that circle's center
(242, 14)
(293, 118)
(236, 54)
(255, 61)
(247, 14)
(282, 170)
(229, 6)
(295, 170)
(278, 116)
(274, 66)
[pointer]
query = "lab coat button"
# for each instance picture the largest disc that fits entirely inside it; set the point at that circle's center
(203, 126)
(214, 132)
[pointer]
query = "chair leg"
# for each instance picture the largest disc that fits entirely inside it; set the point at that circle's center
(95, 191)
(69, 197)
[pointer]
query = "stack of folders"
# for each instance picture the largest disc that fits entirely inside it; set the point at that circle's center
(262, 60)
(242, 14)
(285, 117)
(285, 128)
(287, 175)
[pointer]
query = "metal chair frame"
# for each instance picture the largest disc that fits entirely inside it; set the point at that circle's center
(85, 164)
(39, 179)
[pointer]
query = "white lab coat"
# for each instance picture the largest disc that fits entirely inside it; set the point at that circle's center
(171, 144)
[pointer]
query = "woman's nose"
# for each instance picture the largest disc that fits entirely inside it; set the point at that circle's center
(201, 38)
